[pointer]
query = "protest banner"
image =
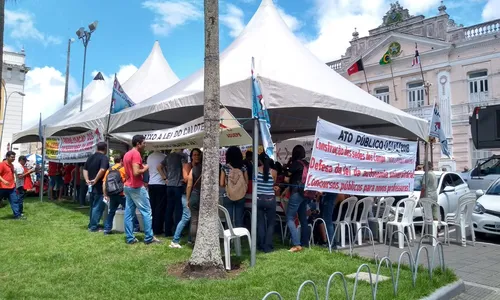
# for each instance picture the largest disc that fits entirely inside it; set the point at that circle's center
(351, 162)
(284, 149)
(190, 135)
(72, 149)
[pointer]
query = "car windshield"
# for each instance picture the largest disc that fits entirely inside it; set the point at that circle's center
(418, 182)
(494, 189)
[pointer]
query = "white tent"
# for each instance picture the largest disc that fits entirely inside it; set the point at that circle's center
(153, 76)
(295, 84)
(93, 92)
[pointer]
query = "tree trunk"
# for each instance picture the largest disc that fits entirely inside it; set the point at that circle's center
(206, 258)
(2, 26)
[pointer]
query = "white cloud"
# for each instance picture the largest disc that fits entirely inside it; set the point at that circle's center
(233, 19)
(8, 48)
(44, 89)
(173, 13)
(22, 26)
(421, 6)
(123, 74)
(491, 10)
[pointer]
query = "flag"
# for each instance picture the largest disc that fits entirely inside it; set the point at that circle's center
(386, 59)
(40, 129)
(356, 67)
(119, 99)
(436, 131)
(416, 59)
(259, 111)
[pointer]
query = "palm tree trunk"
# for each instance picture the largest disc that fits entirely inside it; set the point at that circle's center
(206, 258)
(2, 25)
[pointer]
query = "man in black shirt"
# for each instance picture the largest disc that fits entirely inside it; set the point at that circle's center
(93, 172)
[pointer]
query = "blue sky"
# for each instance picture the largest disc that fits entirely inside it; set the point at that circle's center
(128, 28)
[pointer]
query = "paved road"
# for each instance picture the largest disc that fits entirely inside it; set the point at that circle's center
(478, 266)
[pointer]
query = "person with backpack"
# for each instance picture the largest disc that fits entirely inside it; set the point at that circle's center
(297, 205)
(235, 180)
(113, 193)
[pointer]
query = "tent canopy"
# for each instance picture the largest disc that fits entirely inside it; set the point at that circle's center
(153, 76)
(93, 92)
(296, 86)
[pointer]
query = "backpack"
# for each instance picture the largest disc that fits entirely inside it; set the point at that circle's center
(236, 188)
(307, 194)
(114, 182)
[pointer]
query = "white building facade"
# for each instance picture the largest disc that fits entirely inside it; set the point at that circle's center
(460, 66)
(14, 71)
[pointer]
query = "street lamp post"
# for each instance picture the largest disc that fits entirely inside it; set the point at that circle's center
(85, 35)
(70, 41)
(5, 113)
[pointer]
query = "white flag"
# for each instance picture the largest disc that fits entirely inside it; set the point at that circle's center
(436, 130)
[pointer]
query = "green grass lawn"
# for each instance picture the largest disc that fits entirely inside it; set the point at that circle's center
(52, 256)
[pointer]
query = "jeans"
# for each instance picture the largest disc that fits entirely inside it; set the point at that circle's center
(138, 199)
(174, 208)
(83, 192)
(186, 216)
(20, 194)
(298, 205)
(97, 207)
(114, 202)
(327, 210)
(194, 204)
(13, 200)
(236, 210)
(266, 221)
(158, 201)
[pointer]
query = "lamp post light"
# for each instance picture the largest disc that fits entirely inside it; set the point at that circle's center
(85, 35)
(5, 113)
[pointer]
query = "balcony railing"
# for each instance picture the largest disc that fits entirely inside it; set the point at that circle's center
(423, 112)
(335, 65)
(475, 31)
(12, 58)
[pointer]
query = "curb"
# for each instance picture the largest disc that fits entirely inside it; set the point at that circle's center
(447, 292)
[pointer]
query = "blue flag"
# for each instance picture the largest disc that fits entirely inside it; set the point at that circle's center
(436, 131)
(259, 111)
(40, 129)
(119, 99)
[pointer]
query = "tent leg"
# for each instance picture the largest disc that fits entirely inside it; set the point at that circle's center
(426, 166)
(253, 248)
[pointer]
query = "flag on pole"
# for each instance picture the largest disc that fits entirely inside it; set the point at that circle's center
(386, 59)
(436, 131)
(356, 67)
(259, 111)
(416, 59)
(119, 99)
(40, 129)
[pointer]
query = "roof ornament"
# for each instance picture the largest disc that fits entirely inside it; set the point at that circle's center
(442, 8)
(355, 34)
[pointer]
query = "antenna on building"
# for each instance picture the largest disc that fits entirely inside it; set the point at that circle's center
(22, 49)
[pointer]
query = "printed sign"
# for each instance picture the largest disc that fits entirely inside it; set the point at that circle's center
(72, 149)
(191, 134)
(284, 149)
(351, 162)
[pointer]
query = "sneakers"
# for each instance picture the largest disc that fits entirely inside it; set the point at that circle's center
(175, 245)
(295, 249)
(154, 241)
(134, 241)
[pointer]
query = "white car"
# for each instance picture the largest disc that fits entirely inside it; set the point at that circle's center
(450, 187)
(486, 216)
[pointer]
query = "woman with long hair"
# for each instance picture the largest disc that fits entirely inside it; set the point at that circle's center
(297, 205)
(266, 204)
(190, 203)
(236, 207)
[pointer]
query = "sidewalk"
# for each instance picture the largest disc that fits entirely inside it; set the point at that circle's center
(477, 266)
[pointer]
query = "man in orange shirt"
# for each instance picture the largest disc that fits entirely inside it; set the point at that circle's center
(115, 197)
(8, 184)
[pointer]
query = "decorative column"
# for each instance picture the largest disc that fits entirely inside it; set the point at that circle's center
(444, 102)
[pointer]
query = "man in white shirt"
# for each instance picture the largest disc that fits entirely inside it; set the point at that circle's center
(21, 174)
(157, 191)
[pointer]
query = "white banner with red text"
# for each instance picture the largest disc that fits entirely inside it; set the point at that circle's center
(74, 148)
(354, 163)
(190, 135)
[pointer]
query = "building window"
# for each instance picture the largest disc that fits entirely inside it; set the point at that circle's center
(382, 94)
(416, 94)
(478, 86)
(9, 73)
(476, 155)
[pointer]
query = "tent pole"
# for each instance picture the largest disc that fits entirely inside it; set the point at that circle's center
(42, 169)
(426, 167)
(253, 250)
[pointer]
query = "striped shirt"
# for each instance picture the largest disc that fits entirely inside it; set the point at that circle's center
(265, 188)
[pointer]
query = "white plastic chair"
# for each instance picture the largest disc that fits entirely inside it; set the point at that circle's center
(382, 215)
(428, 206)
(363, 218)
(463, 218)
(346, 222)
(229, 234)
(408, 207)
